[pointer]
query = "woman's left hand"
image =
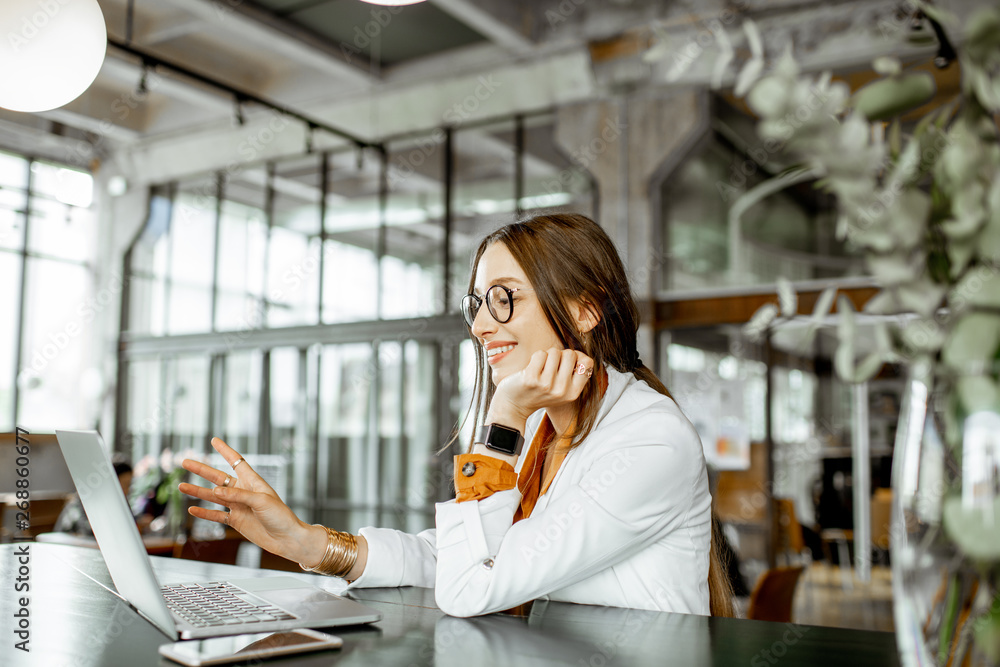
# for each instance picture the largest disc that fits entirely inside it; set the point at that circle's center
(551, 379)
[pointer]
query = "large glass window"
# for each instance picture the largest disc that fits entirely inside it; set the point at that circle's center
(721, 392)
(47, 234)
(292, 339)
(53, 352)
(240, 420)
(185, 400)
(10, 278)
(413, 263)
(351, 238)
(243, 235)
(790, 234)
(343, 465)
(191, 258)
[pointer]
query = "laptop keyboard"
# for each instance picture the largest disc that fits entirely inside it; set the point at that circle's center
(218, 603)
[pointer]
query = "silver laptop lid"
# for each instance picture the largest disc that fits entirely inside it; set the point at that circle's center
(113, 525)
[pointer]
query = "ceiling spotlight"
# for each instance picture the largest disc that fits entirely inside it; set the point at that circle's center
(392, 3)
(51, 52)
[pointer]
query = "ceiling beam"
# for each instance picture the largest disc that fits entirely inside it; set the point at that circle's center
(488, 23)
(279, 35)
(127, 70)
(167, 30)
(396, 110)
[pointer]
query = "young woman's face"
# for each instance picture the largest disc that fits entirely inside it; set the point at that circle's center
(509, 346)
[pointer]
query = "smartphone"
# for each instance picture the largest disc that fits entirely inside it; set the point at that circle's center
(223, 650)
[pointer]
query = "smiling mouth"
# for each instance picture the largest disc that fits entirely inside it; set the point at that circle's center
(494, 355)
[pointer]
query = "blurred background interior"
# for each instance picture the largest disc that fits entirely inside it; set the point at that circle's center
(179, 260)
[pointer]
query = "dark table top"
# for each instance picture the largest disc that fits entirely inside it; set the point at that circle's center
(76, 619)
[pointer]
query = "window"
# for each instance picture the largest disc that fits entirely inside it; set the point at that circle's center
(48, 235)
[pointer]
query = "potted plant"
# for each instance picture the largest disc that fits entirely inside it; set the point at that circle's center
(922, 204)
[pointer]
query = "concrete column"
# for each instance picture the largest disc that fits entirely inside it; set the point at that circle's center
(629, 144)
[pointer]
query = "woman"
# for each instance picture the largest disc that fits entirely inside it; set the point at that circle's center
(607, 503)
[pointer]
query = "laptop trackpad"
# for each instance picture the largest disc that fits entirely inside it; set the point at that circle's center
(313, 602)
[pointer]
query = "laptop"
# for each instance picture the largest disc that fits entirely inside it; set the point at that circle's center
(192, 610)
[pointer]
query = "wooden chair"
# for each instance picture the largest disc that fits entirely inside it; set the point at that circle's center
(210, 551)
(788, 532)
(881, 513)
(771, 599)
(45, 512)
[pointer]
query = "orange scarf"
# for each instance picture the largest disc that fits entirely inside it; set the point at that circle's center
(529, 481)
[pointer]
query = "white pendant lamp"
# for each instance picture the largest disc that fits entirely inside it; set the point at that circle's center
(50, 51)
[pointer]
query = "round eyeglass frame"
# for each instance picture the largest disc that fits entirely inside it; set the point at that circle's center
(468, 299)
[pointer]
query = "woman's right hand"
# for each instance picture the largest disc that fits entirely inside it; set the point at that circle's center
(255, 510)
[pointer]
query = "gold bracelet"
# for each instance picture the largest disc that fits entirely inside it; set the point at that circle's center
(340, 556)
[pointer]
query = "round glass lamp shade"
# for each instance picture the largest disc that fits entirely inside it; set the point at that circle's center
(50, 51)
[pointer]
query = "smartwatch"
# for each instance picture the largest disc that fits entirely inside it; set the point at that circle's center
(500, 439)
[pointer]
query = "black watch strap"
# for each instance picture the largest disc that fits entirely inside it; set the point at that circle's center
(500, 438)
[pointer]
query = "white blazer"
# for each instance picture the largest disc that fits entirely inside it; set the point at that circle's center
(626, 523)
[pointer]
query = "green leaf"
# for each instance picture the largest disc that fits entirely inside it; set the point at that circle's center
(887, 66)
(976, 530)
(823, 304)
(979, 287)
(922, 335)
(969, 212)
(976, 392)
(761, 321)
(986, 630)
(846, 325)
(922, 296)
(907, 220)
(960, 252)
(787, 298)
(768, 97)
(973, 341)
(907, 167)
(883, 303)
(895, 138)
(893, 268)
(886, 98)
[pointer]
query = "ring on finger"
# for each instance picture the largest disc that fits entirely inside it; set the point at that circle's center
(581, 369)
(228, 480)
(237, 462)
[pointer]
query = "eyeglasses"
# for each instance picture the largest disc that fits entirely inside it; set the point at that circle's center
(499, 301)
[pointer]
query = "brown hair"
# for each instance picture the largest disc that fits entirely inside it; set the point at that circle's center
(570, 257)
